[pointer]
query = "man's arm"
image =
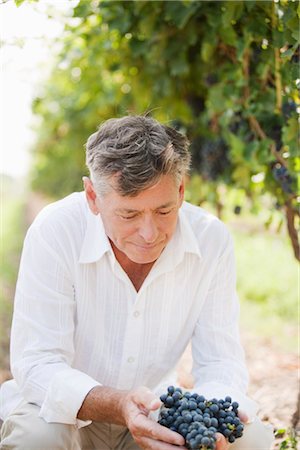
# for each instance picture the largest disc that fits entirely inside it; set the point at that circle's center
(218, 357)
(42, 340)
(130, 409)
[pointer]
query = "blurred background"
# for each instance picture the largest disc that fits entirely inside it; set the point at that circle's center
(226, 73)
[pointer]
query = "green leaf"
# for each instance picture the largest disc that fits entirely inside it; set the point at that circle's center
(228, 35)
(293, 25)
(207, 51)
(250, 5)
(278, 39)
(179, 65)
(232, 11)
(241, 175)
(137, 46)
(290, 136)
(179, 13)
(20, 2)
(237, 148)
(82, 10)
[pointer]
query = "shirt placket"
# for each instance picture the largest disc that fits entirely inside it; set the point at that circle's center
(132, 343)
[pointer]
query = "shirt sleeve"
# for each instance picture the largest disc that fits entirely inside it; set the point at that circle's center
(219, 365)
(42, 339)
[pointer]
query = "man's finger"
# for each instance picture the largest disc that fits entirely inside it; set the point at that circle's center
(144, 398)
(222, 443)
(243, 417)
(149, 444)
(148, 428)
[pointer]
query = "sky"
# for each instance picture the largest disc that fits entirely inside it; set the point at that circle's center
(27, 43)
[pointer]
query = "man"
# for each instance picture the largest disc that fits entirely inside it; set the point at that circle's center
(113, 284)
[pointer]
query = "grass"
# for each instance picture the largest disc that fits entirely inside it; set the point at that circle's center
(267, 283)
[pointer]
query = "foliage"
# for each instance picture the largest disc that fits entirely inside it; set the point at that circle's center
(290, 440)
(11, 238)
(224, 72)
(19, 2)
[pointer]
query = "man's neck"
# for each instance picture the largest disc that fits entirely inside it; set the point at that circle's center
(136, 272)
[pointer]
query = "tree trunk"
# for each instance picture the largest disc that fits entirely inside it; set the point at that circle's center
(291, 219)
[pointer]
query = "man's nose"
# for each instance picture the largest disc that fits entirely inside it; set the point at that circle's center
(148, 230)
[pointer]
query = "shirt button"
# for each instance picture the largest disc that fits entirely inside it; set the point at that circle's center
(136, 313)
(130, 359)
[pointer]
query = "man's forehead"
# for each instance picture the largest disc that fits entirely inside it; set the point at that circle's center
(159, 206)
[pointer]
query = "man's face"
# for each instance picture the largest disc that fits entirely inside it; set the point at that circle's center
(140, 227)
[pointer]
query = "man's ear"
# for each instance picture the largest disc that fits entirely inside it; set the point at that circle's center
(181, 191)
(90, 194)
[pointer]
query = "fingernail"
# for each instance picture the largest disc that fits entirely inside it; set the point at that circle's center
(249, 421)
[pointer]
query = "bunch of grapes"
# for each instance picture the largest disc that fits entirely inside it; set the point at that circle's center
(210, 157)
(283, 177)
(198, 419)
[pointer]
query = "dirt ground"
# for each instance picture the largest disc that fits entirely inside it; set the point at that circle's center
(274, 382)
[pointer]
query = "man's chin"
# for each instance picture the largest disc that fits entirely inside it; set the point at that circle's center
(145, 257)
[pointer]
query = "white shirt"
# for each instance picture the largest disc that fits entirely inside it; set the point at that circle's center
(79, 322)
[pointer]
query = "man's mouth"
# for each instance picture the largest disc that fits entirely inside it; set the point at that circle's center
(148, 246)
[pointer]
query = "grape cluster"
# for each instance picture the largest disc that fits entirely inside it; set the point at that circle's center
(283, 177)
(198, 419)
(288, 109)
(210, 157)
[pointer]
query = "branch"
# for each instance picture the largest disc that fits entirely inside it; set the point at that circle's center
(278, 83)
(260, 133)
(245, 65)
(291, 218)
(229, 51)
(296, 415)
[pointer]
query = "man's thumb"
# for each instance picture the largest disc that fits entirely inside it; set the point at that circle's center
(154, 404)
(145, 398)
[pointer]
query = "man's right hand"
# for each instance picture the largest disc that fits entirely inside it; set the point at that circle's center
(148, 434)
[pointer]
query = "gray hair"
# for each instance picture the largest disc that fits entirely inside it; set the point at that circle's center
(137, 150)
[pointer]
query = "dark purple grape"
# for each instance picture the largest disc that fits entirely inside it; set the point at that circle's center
(171, 389)
(237, 209)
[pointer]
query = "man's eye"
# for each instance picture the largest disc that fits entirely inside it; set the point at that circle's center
(165, 213)
(127, 217)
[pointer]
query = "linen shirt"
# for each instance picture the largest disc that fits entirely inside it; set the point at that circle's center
(79, 322)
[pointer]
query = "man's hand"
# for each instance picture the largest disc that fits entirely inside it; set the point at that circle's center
(222, 443)
(147, 433)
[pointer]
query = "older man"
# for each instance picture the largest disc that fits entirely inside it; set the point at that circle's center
(113, 284)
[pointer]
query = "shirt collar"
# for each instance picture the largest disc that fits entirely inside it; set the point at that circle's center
(189, 243)
(96, 243)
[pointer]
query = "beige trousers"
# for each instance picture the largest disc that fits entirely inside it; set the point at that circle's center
(25, 430)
